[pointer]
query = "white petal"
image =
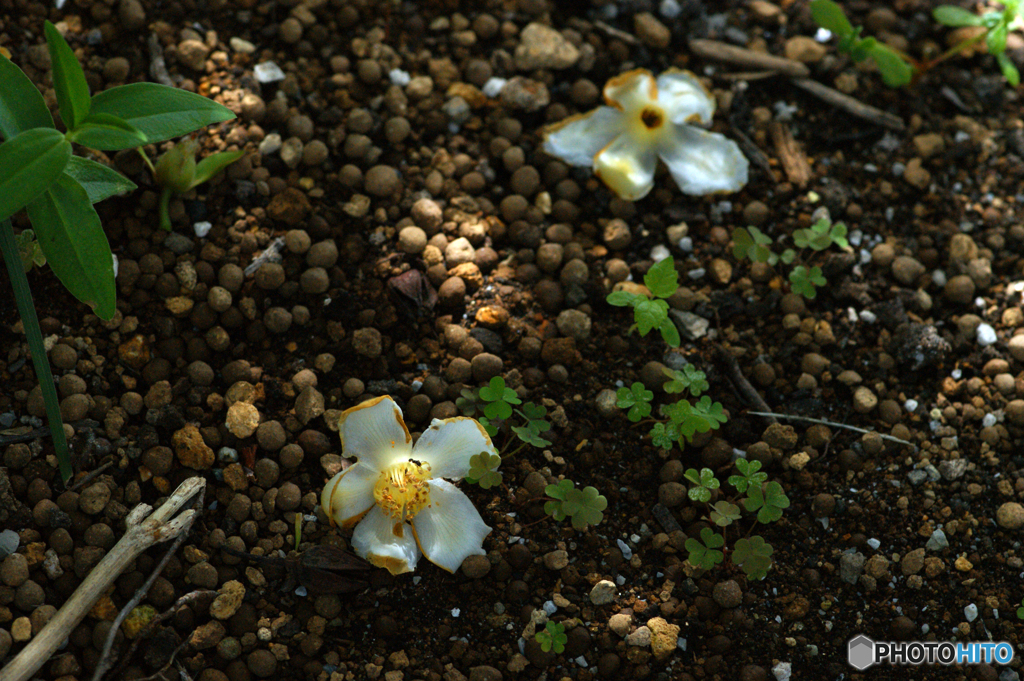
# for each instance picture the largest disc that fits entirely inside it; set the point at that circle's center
(704, 162)
(447, 445)
(631, 91)
(349, 494)
(375, 432)
(627, 168)
(386, 543)
(577, 139)
(450, 529)
(684, 99)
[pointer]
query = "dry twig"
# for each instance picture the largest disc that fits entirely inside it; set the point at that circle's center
(142, 532)
(740, 56)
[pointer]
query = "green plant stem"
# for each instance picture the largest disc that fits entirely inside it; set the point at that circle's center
(149, 164)
(165, 214)
(959, 48)
(27, 310)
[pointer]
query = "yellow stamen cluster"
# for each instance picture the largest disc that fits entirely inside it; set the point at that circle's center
(402, 491)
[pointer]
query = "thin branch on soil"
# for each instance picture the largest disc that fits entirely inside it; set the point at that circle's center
(92, 475)
(740, 382)
(823, 422)
(142, 532)
(850, 105)
(794, 161)
(159, 673)
(105, 659)
(740, 56)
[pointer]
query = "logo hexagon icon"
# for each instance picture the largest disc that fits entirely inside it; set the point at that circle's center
(860, 652)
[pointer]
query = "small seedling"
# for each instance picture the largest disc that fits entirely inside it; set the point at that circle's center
(637, 399)
(705, 553)
(690, 378)
(752, 243)
(483, 470)
(30, 250)
(585, 507)
(177, 172)
(498, 399)
(1020, 610)
(652, 313)
(534, 415)
(552, 637)
(892, 64)
(751, 553)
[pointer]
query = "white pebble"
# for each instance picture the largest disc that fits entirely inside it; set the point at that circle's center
(550, 608)
(696, 273)
(910, 405)
(868, 317)
(669, 9)
(971, 612)
(456, 612)
(686, 244)
(268, 72)
(627, 552)
(989, 421)
(986, 335)
(116, 263)
(782, 671)
(874, 543)
(399, 77)
(493, 87)
(202, 228)
(659, 253)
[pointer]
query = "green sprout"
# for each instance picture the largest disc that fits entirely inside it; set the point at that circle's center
(498, 399)
(703, 482)
(177, 172)
(39, 173)
(704, 553)
(529, 434)
(469, 402)
(724, 513)
(892, 65)
(1020, 610)
(637, 399)
(755, 245)
(768, 504)
(31, 252)
(997, 28)
(753, 556)
(483, 470)
(806, 281)
(551, 637)
(690, 378)
(700, 417)
(749, 475)
(585, 506)
(662, 281)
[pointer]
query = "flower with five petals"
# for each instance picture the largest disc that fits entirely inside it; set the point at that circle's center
(396, 496)
(648, 119)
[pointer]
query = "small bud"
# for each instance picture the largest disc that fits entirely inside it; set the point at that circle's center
(177, 168)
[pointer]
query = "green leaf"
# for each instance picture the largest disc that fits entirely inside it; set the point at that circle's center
(107, 133)
(1010, 72)
(838, 235)
(530, 434)
(949, 15)
(534, 412)
(559, 489)
(749, 475)
(996, 39)
(768, 504)
(664, 436)
(483, 470)
(662, 279)
(649, 314)
(586, 507)
(552, 636)
(622, 298)
(214, 163)
(895, 71)
(29, 163)
(669, 333)
(21, 106)
(690, 378)
(753, 556)
(742, 244)
(68, 79)
(700, 417)
(637, 399)
(724, 513)
(704, 553)
(99, 181)
(828, 14)
(704, 482)
(71, 236)
(158, 111)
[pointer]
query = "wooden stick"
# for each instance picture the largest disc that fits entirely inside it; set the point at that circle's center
(740, 56)
(822, 422)
(849, 104)
(142, 533)
(798, 171)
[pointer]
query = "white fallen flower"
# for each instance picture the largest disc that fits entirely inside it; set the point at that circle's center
(395, 494)
(648, 119)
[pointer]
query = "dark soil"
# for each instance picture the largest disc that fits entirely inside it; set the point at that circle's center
(896, 344)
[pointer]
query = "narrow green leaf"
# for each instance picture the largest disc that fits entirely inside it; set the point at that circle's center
(996, 39)
(1010, 72)
(895, 72)
(621, 298)
(213, 164)
(68, 79)
(29, 163)
(948, 15)
(99, 181)
(21, 106)
(107, 133)
(828, 14)
(158, 111)
(72, 238)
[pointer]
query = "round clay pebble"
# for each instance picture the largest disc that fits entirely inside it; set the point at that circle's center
(412, 240)
(14, 570)
(231, 277)
(727, 594)
(525, 181)
(63, 356)
(261, 663)
(271, 435)
(290, 30)
(314, 280)
(1010, 515)
(314, 153)
(427, 214)
(452, 292)
(960, 289)
(291, 454)
(616, 234)
(267, 472)
(322, 254)
(301, 127)
(289, 496)
(270, 276)
(353, 388)
(277, 320)
(297, 241)
(459, 370)
(486, 366)
(671, 494)
(418, 408)
(219, 299)
(476, 567)
(396, 129)
(382, 181)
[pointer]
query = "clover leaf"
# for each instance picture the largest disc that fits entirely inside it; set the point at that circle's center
(724, 513)
(749, 475)
(704, 482)
(637, 399)
(805, 281)
(585, 506)
(753, 556)
(499, 399)
(551, 637)
(664, 435)
(704, 553)
(690, 378)
(468, 403)
(754, 244)
(483, 470)
(701, 417)
(768, 504)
